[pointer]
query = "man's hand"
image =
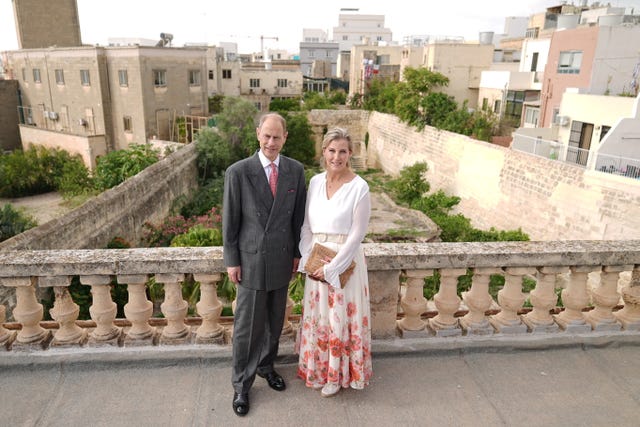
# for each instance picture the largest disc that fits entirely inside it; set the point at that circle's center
(296, 263)
(235, 274)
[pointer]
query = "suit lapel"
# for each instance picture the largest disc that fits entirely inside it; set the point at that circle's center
(259, 182)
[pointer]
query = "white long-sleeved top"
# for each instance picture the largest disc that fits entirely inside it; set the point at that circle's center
(347, 213)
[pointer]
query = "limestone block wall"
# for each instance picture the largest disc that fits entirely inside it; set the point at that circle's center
(508, 189)
(120, 211)
(355, 121)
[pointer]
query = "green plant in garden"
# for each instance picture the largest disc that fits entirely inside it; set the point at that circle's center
(48, 170)
(115, 167)
(410, 185)
(14, 222)
(198, 235)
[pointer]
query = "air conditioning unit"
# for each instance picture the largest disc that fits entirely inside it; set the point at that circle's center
(29, 121)
(82, 122)
(562, 120)
(53, 115)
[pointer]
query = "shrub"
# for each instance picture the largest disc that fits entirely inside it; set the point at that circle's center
(115, 167)
(14, 222)
(198, 235)
(410, 185)
(163, 234)
(46, 166)
(205, 198)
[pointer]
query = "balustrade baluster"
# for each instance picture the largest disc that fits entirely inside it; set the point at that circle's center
(574, 298)
(511, 298)
(413, 305)
(543, 299)
(138, 310)
(604, 298)
(478, 301)
(174, 309)
(103, 311)
(6, 336)
(447, 302)
(629, 316)
(209, 308)
(65, 312)
(28, 312)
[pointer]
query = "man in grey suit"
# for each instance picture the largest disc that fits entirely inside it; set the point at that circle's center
(261, 231)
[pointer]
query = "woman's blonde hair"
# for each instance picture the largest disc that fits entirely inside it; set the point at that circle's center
(332, 135)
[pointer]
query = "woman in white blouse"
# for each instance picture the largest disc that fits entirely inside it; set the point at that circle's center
(334, 341)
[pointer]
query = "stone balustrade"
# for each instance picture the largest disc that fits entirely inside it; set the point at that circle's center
(598, 282)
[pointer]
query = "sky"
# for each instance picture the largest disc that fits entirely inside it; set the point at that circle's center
(244, 22)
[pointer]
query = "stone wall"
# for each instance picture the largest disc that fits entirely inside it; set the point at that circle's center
(354, 121)
(120, 211)
(508, 189)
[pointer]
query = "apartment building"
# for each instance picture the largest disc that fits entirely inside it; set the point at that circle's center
(461, 62)
(355, 28)
(106, 98)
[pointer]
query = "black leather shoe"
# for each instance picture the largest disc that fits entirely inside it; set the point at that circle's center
(241, 404)
(274, 380)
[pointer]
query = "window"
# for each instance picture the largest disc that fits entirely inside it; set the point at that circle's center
(485, 103)
(211, 74)
(328, 54)
(36, 75)
(123, 78)
(312, 53)
(159, 78)
(127, 123)
(569, 62)
(534, 61)
(282, 82)
(258, 105)
(496, 106)
(24, 75)
(379, 38)
(603, 132)
(254, 82)
(345, 38)
(531, 116)
(226, 74)
(60, 77)
(194, 77)
(85, 79)
(514, 102)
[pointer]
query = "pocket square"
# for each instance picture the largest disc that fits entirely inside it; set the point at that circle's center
(291, 190)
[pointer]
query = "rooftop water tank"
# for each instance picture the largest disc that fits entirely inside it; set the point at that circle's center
(567, 22)
(610, 20)
(485, 37)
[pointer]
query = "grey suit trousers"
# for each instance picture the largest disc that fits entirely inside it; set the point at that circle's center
(257, 325)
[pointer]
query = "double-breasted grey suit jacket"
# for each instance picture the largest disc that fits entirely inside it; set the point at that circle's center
(260, 234)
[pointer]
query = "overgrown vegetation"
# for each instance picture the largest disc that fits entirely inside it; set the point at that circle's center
(419, 102)
(14, 222)
(39, 170)
(115, 167)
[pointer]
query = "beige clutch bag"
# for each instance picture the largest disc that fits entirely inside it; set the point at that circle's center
(320, 253)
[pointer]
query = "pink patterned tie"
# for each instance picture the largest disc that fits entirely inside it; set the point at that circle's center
(273, 179)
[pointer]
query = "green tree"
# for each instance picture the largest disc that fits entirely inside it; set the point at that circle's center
(381, 96)
(299, 145)
(412, 101)
(215, 104)
(214, 153)
(410, 185)
(316, 101)
(236, 124)
(115, 167)
(283, 105)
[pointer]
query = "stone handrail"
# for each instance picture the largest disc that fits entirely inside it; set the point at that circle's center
(396, 276)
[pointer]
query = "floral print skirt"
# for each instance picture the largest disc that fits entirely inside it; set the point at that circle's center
(334, 337)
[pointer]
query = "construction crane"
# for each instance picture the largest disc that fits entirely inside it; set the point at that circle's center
(262, 38)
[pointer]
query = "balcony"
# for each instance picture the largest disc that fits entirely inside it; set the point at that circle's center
(445, 360)
(600, 291)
